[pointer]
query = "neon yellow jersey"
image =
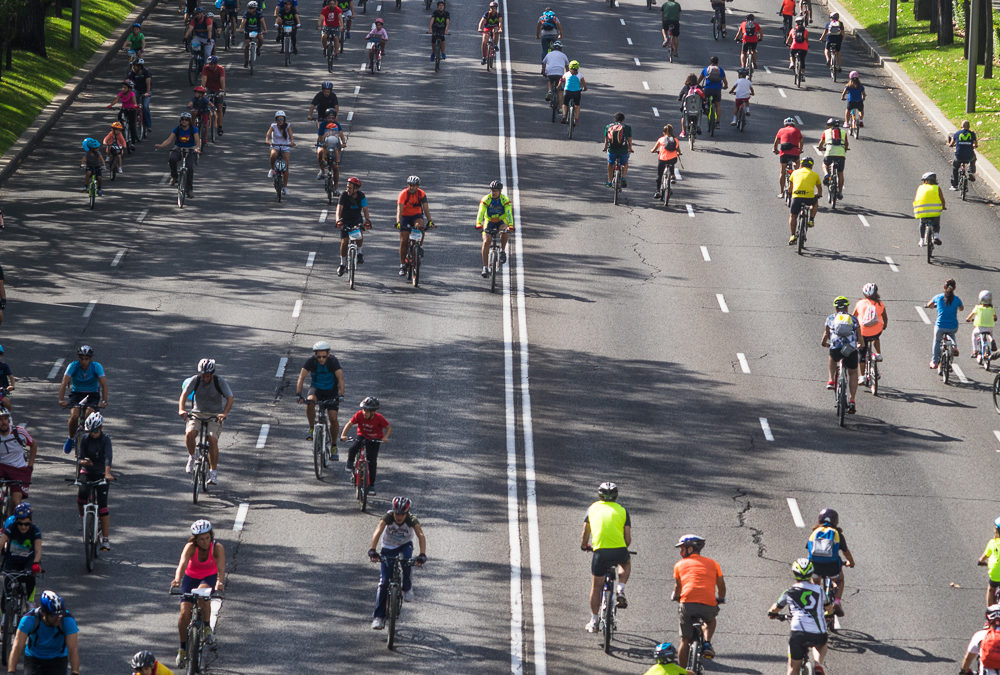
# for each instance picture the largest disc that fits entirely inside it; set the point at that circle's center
(986, 316)
(804, 182)
(607, 524)
(993, 558)
(160, 670)
(495, 210)
(666, 669)
(832, 150)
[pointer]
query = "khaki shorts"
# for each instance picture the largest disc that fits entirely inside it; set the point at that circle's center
(214, 425)
(687, 611)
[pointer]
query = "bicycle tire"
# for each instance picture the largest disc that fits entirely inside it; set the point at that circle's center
(287, 48)
(416, 255)
(873, 375)
(89, 545)
(113, 169)
(996, 393)
(390, 616)
(691, 131)
(665, 186)
(92, 192)
(352, 265)
(193, 649)
(192, 70)
(857, 127)
(490, 59)
(834, 191)
(571, 119)
(964, 188)
(362, 469)
(494, 264)
(841, 397)
(399, 5)
(945, 367)
(715, 28)
(608, 619)
(929, 241)
(252, 56)
(330, 51)
(802, 225)
(318, 441)
(437, 56)
(197, 482)
(9, 628)
(328, 186)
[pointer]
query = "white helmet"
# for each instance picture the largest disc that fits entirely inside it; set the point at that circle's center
(206, 366)
(985, 297)
(280, 113)
(200, 527)
(94, 422)
(322, 346)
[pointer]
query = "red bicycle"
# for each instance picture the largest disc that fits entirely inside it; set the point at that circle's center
(361, 471)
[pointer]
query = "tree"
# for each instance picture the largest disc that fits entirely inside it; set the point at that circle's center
(946, 21)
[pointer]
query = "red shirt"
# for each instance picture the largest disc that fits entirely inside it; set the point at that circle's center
(412, 203)
(750, 36)
(334, 21)
(370, 428)
(786, 136)
(799, 45)
(213, 77)
(788, 7)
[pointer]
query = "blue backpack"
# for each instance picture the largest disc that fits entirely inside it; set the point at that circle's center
(824, 545)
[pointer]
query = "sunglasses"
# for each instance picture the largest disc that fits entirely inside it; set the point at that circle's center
(24, 522)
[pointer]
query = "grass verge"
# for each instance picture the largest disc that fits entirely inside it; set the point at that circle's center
(33, 81)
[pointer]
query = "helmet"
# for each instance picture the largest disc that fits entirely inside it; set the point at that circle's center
(199, 10)
(802, 569)
(22, 510)
(95, 421)
(143, 659)
(413, 180)
(574, 65)
(665, 653)
(91, 144)
(548, 13)
(869, 290)
(206, 366)
(608, 491)
(52, 603)
(835, 15)
(85, 350)
(557, 44)
(280, 113)
(186, 116)
(6, 413)
(853, 74)
(139, 62)
(322, 346)
(830, 121)
(789, 122)
(252, 4)
(834, 122)
(200, 89)
(213, 59)
(838, 302)
(327, 85)
(137, 25)
(493, 3)
(996, 523)
(200, 527)
(749, 17)
(379, 20)
(985, 296)
(808, 161)
(128, 83)
(993, 613)
(929, 177)
(401, 504)
(829, 515)
(370, 403)
(354, 180)
(799, 19)
(742, 72)
(496, 185)
(692, 540)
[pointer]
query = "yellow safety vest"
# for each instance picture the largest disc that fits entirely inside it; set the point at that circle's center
(927, 203)
(607, 525)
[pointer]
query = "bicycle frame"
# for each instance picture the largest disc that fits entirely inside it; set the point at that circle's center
(91, 522)
(841, 392)
(414, 254)
(14, 604)
(355, 236)
(199, 472)
(947, 345)
(698, 646)
(496, 248)
(322, 439)
(394, 601)
(195, 627)
(609, 607)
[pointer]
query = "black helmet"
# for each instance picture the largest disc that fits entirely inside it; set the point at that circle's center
(828, 516)
(749, 17)
(496, 185)
(370, 403)
(143, 659)
(608, 492)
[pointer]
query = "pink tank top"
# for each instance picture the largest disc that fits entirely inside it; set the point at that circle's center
(198, 569)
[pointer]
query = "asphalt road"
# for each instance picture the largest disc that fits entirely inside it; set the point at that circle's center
(612, 316)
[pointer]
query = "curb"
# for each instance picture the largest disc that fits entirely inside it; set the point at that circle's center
(51, 113)
(984, 168)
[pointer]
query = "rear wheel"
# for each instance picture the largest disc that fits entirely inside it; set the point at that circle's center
(945, 367)
(929, 241)
(841, 397)
(92, 190)
(363, 485)
(608, 619)
(873, 375)
(570, 119)
(996, 393)
(715, 28)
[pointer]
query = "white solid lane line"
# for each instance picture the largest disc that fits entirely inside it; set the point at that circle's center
(262, 436)
(297, 309)
(690, 210)
(56, 367)
(636, 59)
(782, 92)
(241, 516)
(922, 313)
(744, 366)
(958, 371)
(864, 221)
(656, 113)
(892, 265)
(142, 215)
(766, 428)
(118, 257)
(793, 506)
(722, 303)
(645, 85)
(311, 258)
(322, 215)
(704, 254)
(90, 309)
(282, 362)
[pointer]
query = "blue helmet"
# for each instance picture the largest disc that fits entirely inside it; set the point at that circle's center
(91, 144)
(665, 653)
(22, 510)
(52, 603)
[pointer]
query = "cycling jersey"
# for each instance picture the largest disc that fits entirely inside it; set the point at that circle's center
(834, 31)
(351, 207)
(787, 7)
(571, 82)
(159, 669)
(975, 648)
(127, 99)
(331, 16)
(372, 428)
(21, 546)
(288, 18)
(209, 398)
(135, 40)
(322, 375)
(412, 203)
(555, 63)
(865, 307)
(398, 534)
(114, 137)
(804, 182)
(804, 44)
(46, 642)
(439, 20)
(213, 77)
(836, 143)
(84, 379)
(985, 316)
(666, 669)
(98, 451)
(789, 141)
(201, 29)
(665, 155)
(750, 30)
(670, 11)
(838, 340)
(964, 140)
(608, 521)
(805, 600)
(928, 202)
(252, 21)
(12, 447)
(698, 576)
(324, 103)
(992, 554)
(379, 33)
(345, 7)
(491, 20)
(709, 72)
(494, 210)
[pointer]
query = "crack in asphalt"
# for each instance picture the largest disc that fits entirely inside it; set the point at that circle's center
(757, 535)
(637, 241)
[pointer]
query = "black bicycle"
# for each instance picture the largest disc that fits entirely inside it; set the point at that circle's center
(195, 64)
(496, 252)
(834, 185)
(394, 602)
(199, 472)
(617, 179)
(963, 180)
(985, 352)
(197, 629)
(801, 225)
(872, 376)
(841, 392)
(324, 449)
(91, 524)
(607, 616)
(696, 659)
(415, 253)
(554, 95)
(331, 47)
(15, 604)
(436, 40)
(996, 393)
(666, 184)
(947, 349)
(185, 177)
(718, 21)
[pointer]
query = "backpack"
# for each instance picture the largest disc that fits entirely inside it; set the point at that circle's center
(548, 22)
(843, 325)
(616, 135)
(670, 145)
(870, 317)
(834, 28)
(215, 381)
(37, 613)
(824, 545)
(713, 74)
(989, 649)
(750, 30)
(835, 137)
(800, 35)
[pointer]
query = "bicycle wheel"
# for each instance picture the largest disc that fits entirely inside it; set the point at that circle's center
(665, 186)
(415, 255)
(193, 73)
(800, 231)
(252, 56)
(856, 126)
(286, 46)
(329, 187)
(715, 28)
(352, 264)
(490, 58)
(873, 374)
(89, 539)
(691, 131)
(571, 118)
(964, 186)
(494, 265)
(319, 439)
(193, 649)
(92, 192)
(741, 120)
(278, 184)
(841, 397)
(437, 56)
(199, 468)
(363, 485)
(390, 615)
(607, 619)
(996, 393)
(9, 627)
(181, 182)
(616, 183)
(929, 241)
(945, 366)
(833, 194)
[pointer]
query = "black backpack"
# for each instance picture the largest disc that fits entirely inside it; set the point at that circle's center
(800, 34)
(215, 381)
(37, 613)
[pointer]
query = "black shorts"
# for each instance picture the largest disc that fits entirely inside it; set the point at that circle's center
(95, 170)
(800, 641)
(345, 231)
(571, 96)
(605, 558)
(711, 94)
(856, 105)
(799, 202)
(324, 395)
(672, 27)
(851, 363)
(827, 569)
(36, 666)
(76, 397)
(833, 42)
(784, 158)
(836, 161)
(749, 47)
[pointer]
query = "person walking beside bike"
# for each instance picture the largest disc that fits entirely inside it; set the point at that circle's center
(352, 212)
(806, 603)
(494, 211)
(984, 645)
(928, 203)
(17, 455)
(48, 638)
(85, 379)
(394, 533)
(948, 306)
(825, 545)
(607, 531)
(670, 24)
(842, 336)
(984, 316)
(202, 565)
(95, 463)
(213, 399)
(326, 383)
(700, 588)
(213, 79)
(21, 544)
(965, 143)
(411, 210)
(185, 136)
(373, 431)
(834, 146)
(668, 150)
(618, 145)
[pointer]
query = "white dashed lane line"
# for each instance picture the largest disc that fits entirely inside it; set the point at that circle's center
(704, 254)
(118, 257)
(350, 116)
(767, 70)
(297, 309)
(357, 90)
(142, 215)
(782, 92)
(766, 428)
(798, 120)
(892, 265)
(311, 258)
(322, 215)
(628, 41)
(241, 516)
(645, 85)
(864, 221)
(56, 367)
(677, 174)
(722, 303)
(690, 210)
(282, 363)
(997, 434)
(744, 366)
(656, 113)
(922, 313)
(89, 309)
(793, 506)
(166, 177)
(262, 436)
(623, 21)
(636, 59)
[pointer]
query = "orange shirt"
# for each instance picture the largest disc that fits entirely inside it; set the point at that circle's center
(664, 154)
(861, 307)
(412, 203)
(697, 576)
(115, 137)
(788, 7)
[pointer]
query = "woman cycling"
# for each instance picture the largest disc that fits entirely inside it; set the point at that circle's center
(854, 94)
(280, 138)
(129, 110)
(202, 565)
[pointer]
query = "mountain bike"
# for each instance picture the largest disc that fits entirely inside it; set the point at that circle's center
(801, 226)
(798, 70)
(570, 117)
(280, 171)
(805, 11)
(354, 235)
(927, 225)
(666, 184)
(331, 176)
(616, 181)
(197, 629)
(691, 123)
(199, 472)
(496, 248)
(394, 601)
(718, 21)
(330, 52)
(741, 116)
(286, 43)
(195, 64)
(185, 178)
(553, 96)
(854, 122)
(996, 393)
(947, 348)
(696, 659)
(91, 526)
(252, 53)
(872, 376)
(984, 349)
(361, 472)
(841, 392)
(830, 586)
(92, 190)
(375, 56)
(834, 181)
(963, 179)
(491, 48)
(436, 41)
(713, 118)
(6, 497)
(808, 666)
(324, 449)
(415, 253)
(15, 604)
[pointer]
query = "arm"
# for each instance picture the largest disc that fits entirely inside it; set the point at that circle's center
(339, 374)
(197, 142)
(302, 373)
(421, 540)
(583, 84)
(73, 645)
(427, 209)
(676, 595)
(720, 588)
(970, 317)
(343, 432)
(220, 562)
(62, 390)
(538, 30)
(388, 432)
(585, 537)
(222, 81)
(930, 303)
(38, 551)
(967, 660)
(229, 406)
(825, 342)
(628, 536)
(32, 451)
(104, 390)
(376, 535)
(170, 141)
(185, 559)
(399, 211)
(20, 640)
(885, 318)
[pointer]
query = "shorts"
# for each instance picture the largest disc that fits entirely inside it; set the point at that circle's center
(833, 42)
(332, 144)
(36, 666)
(407, 223)
(851, 363)
(620, 157)
(799, 202)
(492, 227)
(785, 158)
(749, 47)
(687, 612)
(324, 394)
(605, 558)
(827, 569)
(800, 641)
(260, 35)
(76, 397)
(713, 94)
(188, 584)
(95, 170)
(213, 424)
(21, 473)
(347, 14)
(800, 53)
(573, 96)
(742, 101)
(672, 27)
(836, 161)
(345, 233)
(856, 105)
(283, 149)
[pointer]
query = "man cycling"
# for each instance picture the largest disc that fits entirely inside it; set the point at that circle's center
(719, 10)
(842, 336)
(618, 145)
(833, 39)
(17, 456)
(607, 531)
(984, 645)
(494, 211)
(548, 30)
(666, 661)
(699, 588)
(252, 22)
(21, 546)
(491, 26)
(213, 78)
(326, 383)
(142, 82)
(928, 203)
(834, 146)
(749, 34)
(411, 209)
(948, 306)
(229, 9)
(48, 638)
(352, 212)
(439, 26)
(86, 382)
(797, 41)
(213, 399)
(806, 603)
(394, 533)
(346, 12)
(825, 545)
(670, 24)
(288, 15)
(329, 26)
(965, 143)
(806, 188)
(144, 663)
(95, 464)
(712, 80)
(200, 30)
(554, 66)
(787, 13)
(185, 136)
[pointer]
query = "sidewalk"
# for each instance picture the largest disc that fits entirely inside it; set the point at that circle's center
(51, 113)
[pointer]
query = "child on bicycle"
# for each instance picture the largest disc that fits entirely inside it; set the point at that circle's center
(93, 162)
(743, 90)
(114, 144)
(854, 94)
(984, 317)
(693, 104)
(666, 661)
(377, 37)
(373, 430)
(129, 108)
(990, 559)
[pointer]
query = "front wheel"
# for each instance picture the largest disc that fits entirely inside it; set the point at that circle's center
(352, 265)
(715, 29)
(494, 266)
(198, 470)
(193, 650)
(415, 256)
(391, 610)
(89, 540)
(996, 393)
(319, 440)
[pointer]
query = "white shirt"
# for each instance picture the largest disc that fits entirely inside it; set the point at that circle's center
(555, 63)
(279, 137)
(742, 88)
(11, 452)
(973, 648)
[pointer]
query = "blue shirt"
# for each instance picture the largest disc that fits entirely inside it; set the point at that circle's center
(947, 318)
(85, 380)
(713, 85)
(48, 642)
(854, 95)
(963, 140)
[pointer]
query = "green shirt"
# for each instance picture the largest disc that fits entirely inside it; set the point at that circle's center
(666, 669)
(993, 560)
(607, 524)
(135, 40)
(670, 11)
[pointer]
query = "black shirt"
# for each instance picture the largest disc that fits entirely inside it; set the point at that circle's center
(439, 20)
(350, 211)
(98, 451)
(324, 103)
(140, 80)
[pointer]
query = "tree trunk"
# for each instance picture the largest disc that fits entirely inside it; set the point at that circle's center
(935, 8)
(946, 20)
(30, 34)
(921, 10)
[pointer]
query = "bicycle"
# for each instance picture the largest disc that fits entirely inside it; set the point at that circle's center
(830, 587)
(197, 630)
(415, 253)
(691, 123)
(228, 29)
(331, 176)
(184, 177)
(130, 141)
(491, 48)
(928, 235)
(342, 34)
(963, 179)
(718, 21)
(195, 65)
(616, 181)
(361, 472)
(354, 236)
(607, 616)
(666, 184)
(789, 168)
(833, 184)
(496, 249)
(713, 118)
(394, 602)
(91, 528)
(206, 127)
(331, 51)
(808, 666)
(741, 116)
(570, 117)
(841, 392)
(947, 349)
(696, 659)
(833, 66)
(805, 11)
(199, 472)
(6, 498)
(671, 44)
(15, 604)
(553, 95)
(324, 449)
(280, 171)
(996, 393)
(872, 376)
(436, 41)
(798, 70)
(375, 56)
(252, 53)
(801, 226)
(854, 122)
(286, 43)
(984, 349)
(115, 161)
(92, 189)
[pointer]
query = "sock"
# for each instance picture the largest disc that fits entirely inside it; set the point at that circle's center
(621, 588)
(593, 617)
(343, 260)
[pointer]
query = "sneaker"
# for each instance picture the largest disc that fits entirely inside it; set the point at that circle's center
(189, 194)
(607, 184)
(972, 178)
(818, 669)
(371, 491)
(309, 436)
(69, 445)
(483, 62)
(792, 239)
(592, 625)
(707, 650)
(121, 171)
(361, 258)
(826, 180)
(336, 457)
(378, 623)
(624, 183)
(284, 191)
(340, 272)
(246, 64)
(829, 384)
(347, 35)
(105, 544)
(485, 273)
(432, 56)
(548, 96)
(190, 465)
(408, 595)
(920, 242)
(320, 174)
(664, 44)
(840, 195)
(181, 659)
(503, 257)
(100, 192)
(878, 357)
(270, 173)
(733, 123)
(933, 365)
(862, 379)
(812, 223)
(220, 131)
(563, 121)
(657, 195)
(683, 135)
(173, 180)
(748, 113)
(861, 124)
(937, 241)
(209, 635)
(212, 477)
(402, 270)
(443, 56)
(952, 188)
(622, 602)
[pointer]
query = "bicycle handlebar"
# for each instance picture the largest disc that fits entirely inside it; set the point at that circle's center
(194, 593)
(90, 483)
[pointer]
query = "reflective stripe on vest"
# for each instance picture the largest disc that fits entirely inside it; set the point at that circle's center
(927, 203)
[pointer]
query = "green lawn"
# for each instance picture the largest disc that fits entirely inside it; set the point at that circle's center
(33, 81)
(939, 71)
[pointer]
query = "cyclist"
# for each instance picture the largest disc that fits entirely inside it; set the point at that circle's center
(798, 45)
(948, 306)
(749, 34)
(201, 109)
(788, 148)
(666, 661)
(700, 588)
(200, 30)
(668, 150)
(113, 144)
(833, 38)
(491, 26)
(287, 15)
(281, 139)
(211, 407)
(984, 645)
(346, 12)
(394, 534)
(228, 9)
(607, 531)
(806, 603)
(142, 83)
(806, 188)
(144, 663)
(834, 146)
(202, 565)
(17, 455)
(135, 41)
(842, 336)
(48, 637)
(411, 209)
(494, 210)
(21, 544)
(572, 85)
(95, 463)
(331, 139)
(213, 78)
(85, 379)
(985, 317)
(548, 30)
(378, 38)
(323, 102)
(554, 66)
(787, 12)
(825, 545)
(670, 24)
(719, 10)
(129, 109)
(928, 203)
(329, 27)
(965, 143)
(693, 104)
(7, 379)
(991, 560)
(618, 145)
(326, 383)
(712, 80)
(854, 94)
(93, 163)
(184, 136)
(742, 91)
(351, 208)
(871, 314)
(373, 431)
(439, 26)
(252, 22)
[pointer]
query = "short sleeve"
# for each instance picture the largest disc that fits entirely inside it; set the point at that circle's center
(973, 648)
(677, 572)
(783, 600)
(310, 363)
(98, 370)
(402, 197)
(718, 568)
(227, 391)
(29, 621)
(69, 625)
(333, 364)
